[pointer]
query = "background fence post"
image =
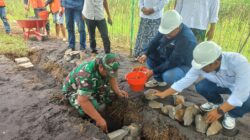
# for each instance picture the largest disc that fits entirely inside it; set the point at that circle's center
(131, 41)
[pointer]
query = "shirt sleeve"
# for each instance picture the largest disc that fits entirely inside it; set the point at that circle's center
(153, 44)
(178, 6)
(214, 11)
(188, 80)
(242, 89)
(160, 5)
(141, 4)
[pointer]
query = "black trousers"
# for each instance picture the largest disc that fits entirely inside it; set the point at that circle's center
(103, 29)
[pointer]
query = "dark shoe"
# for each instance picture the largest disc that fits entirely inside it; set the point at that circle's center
(94, 52)
(72, 49)
(230, 132)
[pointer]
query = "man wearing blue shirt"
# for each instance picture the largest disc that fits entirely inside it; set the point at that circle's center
(224, 73)
(73, 13)
(169, 54)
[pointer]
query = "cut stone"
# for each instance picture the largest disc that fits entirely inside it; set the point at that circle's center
(178, 99)
(134, 129)
(179, 115)
(118, 134)
(22, 60)
(26, 65)
(187, 104)
(201, 124)
(214, 128)
(155, 105)
(149, 94)
(165, 109)
(172, 111)
(131, 138)
(189, 114)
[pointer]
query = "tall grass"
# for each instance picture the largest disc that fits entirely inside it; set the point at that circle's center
(231, 33)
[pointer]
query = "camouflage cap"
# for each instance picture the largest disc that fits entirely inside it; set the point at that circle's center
(111, 64)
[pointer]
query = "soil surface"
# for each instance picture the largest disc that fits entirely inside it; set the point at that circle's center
(32, 106)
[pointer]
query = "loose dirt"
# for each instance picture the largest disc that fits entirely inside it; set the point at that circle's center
(32, 106)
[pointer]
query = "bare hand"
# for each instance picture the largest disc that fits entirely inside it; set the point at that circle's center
(83, 17)
(110, 21)
(160, 94)
(123, 93)
(142, 58)
(210, 34)
(102, 124)
(60, 12)
(212, 116)
(147, 11)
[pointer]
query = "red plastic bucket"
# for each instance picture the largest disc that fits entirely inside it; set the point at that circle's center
(43, 14)
(142, 69)
(136, 80)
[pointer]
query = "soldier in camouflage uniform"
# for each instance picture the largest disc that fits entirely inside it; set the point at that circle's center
(88, 86)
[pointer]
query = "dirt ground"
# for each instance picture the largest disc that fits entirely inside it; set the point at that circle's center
(32, 107)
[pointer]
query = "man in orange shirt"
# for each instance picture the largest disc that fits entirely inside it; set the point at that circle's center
(3, 17)
(58, 16)
(38, 6)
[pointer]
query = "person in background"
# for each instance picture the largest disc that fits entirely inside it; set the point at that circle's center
(4, 17)
(199, 15)
(93, 13)
(150, 13)
(223, 73)
(58, 16)
(88, 86)
(73, 13)
(169, 54)
(38, 6)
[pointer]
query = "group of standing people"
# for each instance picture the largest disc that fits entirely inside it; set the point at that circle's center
(76, 12)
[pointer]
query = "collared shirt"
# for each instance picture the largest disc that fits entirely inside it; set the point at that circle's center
(180, 49)
(72, 4)
(198, 13)
(234, 73)
(157, 5)
(86, 80)
(93, 9)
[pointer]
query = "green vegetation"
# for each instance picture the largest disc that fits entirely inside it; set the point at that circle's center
(231, 31)
(12, 45)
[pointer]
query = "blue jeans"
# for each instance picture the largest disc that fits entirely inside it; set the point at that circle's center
(72, 16)
(170, 75)
(4, 19)
(211, 92)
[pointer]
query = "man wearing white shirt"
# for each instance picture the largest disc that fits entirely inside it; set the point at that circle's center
(224, 73)
(198, 14)
(93, 13)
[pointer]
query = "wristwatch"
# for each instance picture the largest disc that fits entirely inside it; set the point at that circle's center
(220, 111)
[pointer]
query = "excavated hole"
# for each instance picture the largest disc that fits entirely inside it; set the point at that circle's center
(121, 113)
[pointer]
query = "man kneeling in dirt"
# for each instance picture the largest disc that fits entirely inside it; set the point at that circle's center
(88, 86)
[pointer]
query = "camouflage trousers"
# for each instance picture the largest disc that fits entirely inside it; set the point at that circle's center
(72, 97)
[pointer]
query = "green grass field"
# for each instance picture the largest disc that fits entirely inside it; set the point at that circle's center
(231, 30)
